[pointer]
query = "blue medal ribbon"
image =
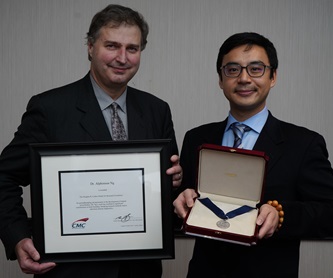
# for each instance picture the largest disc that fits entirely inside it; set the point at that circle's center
(220, 213)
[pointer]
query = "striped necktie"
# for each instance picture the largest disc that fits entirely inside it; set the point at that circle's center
(239, 130)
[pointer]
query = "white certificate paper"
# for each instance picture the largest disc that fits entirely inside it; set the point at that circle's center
(74, 189)
(103, 201)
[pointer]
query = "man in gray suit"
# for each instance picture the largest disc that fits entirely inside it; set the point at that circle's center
(80, 112)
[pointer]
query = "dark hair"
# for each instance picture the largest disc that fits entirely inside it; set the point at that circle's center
(249, 39)
(116, 15)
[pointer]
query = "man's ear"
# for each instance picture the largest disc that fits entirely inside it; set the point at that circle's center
(273, 79)
(221, 83)
(90, 49)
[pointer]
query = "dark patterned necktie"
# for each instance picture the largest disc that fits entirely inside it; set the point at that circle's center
(118, 130)
(239, 130)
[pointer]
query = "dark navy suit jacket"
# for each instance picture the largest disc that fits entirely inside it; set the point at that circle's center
(299, 176)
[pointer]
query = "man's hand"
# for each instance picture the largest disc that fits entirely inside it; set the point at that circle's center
(176, 171)
(28, 257)
(268, 220)
(184, 202)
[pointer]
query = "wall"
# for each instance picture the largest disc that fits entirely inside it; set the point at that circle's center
(43, 46)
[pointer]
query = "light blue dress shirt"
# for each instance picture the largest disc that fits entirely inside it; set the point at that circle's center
(256, 123)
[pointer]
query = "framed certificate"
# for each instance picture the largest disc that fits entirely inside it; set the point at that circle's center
(102, 201)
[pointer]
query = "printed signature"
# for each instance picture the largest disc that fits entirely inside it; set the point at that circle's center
(124, 218)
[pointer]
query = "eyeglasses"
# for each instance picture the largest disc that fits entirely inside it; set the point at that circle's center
(234, 70)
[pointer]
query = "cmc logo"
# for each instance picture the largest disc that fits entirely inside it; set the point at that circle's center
(80, 223)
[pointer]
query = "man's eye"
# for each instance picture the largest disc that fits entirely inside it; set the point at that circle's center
(256, 68)
(132, 49)
(111, 46)
(233, 69)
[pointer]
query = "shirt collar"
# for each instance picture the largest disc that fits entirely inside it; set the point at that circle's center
(256, 122)
(105, 100)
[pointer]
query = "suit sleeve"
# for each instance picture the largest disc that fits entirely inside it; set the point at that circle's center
(309, 214)
(14, 173)
(168, 130)
(188, 161)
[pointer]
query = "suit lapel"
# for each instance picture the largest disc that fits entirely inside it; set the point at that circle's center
(92, 119)
(271, 141)
(216, 136)
(137, 127)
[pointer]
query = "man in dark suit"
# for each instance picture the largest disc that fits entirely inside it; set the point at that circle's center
(80, 112)
(299, 174)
